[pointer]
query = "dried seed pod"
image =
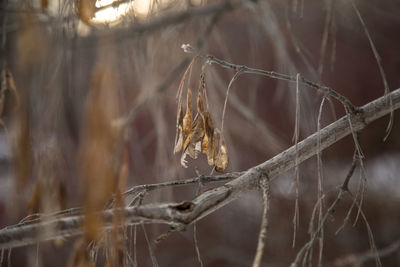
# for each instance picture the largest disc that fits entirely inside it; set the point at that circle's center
(201, 136)
(179, 141)
(200, 104)
(179, 129)
(209, 131)
(213, 153)
(187, 120)
(221, 161)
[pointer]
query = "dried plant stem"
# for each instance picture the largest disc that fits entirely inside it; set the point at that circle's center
(264, 185)
(320, 185)
(134, 246)
(296, 171)
(226, 98)
(149, 246)
(324, 42)
(304, 251)
(187, 212)
(381, 70)
(196, 245)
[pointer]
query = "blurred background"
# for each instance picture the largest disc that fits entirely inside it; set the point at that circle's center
(74, 73)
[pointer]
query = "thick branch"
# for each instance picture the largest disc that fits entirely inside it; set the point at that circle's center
(187, 212)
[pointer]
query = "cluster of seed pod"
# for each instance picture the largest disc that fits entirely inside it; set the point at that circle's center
(197, 135)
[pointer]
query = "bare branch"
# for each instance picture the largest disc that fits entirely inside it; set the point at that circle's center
(280, 76)
(187, 212)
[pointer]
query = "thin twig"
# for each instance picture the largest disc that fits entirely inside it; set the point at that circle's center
(320, 185)
(204, 179)
(226, 98)
(196, 245)
(149, 246)
(296, 218)
(264, 185)
(302, 254)
(280, 76)
(382, 72)
(328, 21)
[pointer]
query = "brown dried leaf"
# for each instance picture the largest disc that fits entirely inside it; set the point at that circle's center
(187, 120)
(191, 151)
(100, 150)
(200, 104)
(183, 160)
(209, 132)
(197, 130)
(221, 161)
(179, 141)
(179, 131)
(187, 141)
(192, 144)
(212, 151)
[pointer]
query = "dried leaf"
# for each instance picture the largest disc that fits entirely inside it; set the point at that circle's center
(179, 130)
(187, 141)
(197, 130)
(221, 161)
(192, 145)
(200, 104)
(191, 151)
(213, 151)
(183, 160)
(179, 141)
(201, 136)
(209, 131)
(187, 120)
(100, 150)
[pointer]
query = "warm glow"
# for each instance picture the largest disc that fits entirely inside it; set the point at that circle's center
(111, 14)
(101, 3)
(142, 7)
(138, 8)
